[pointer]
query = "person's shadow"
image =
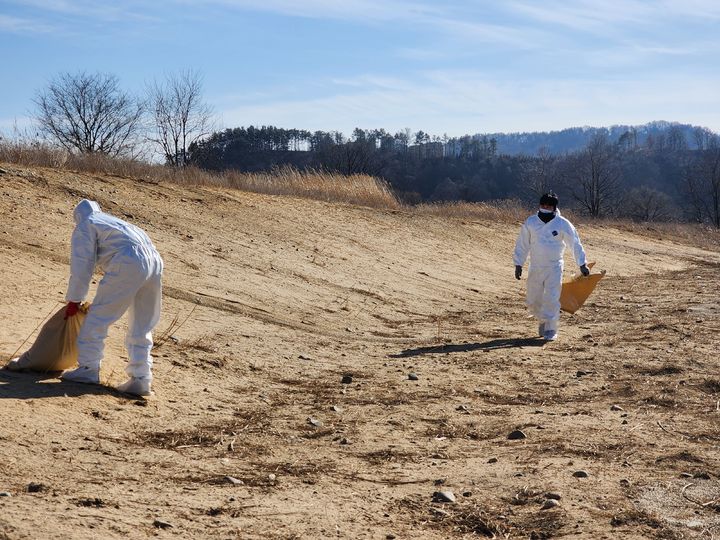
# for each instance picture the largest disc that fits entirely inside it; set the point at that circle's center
(31, 385)
(467, 347)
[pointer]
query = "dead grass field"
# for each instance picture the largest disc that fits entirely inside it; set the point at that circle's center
(271, 302)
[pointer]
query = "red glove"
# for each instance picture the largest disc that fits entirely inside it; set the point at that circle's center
(72, 309)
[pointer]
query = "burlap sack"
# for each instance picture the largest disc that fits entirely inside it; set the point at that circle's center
(55, 348)
(575, 292)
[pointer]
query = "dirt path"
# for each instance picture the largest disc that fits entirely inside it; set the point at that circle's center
(252, 434)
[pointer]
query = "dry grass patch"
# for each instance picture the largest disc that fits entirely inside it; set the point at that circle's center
(710, 386)
(228, 435)
(390, 455)
(502, 211)
(357, 189)
(693, 234)
(483, 519)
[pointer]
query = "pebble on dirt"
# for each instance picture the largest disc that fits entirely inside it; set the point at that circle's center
(34, 487)
(550, 503)
(347, 379)
(413, 377)
(581, 474)
(553, 495)
(616, 408)
(443, 497)
(159, 524)
(516, 435)
(5, 494)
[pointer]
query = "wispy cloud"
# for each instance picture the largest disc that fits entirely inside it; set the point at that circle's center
(437, 18)
(362, 10)
(698, 9)
(597, 16)
(85, 9)
(460, 102)
(23, 26)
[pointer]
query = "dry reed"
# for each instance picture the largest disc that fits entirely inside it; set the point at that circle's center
(357, 189)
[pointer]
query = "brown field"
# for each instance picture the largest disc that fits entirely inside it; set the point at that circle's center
(270, 300)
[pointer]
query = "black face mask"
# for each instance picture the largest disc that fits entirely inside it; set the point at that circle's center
(545, 217)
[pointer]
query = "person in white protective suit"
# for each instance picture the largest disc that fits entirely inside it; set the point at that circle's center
(543, 237)
(132, 282)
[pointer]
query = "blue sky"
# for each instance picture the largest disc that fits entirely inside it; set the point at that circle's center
(452, 67)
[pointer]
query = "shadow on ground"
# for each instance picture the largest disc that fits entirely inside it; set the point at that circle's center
(27, 385)
(467, 347)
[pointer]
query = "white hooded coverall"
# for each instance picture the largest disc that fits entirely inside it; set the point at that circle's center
(545, 243)
(132, 282)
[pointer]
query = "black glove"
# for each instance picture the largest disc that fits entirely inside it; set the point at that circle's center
(585, 270)
(518, 271)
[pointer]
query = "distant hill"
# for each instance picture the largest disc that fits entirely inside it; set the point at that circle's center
(573, 139)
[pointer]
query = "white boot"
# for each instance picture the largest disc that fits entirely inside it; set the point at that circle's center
(136, 387)
(550, 335)
(83, 375)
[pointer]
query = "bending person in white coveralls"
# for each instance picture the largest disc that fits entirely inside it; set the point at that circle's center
(132, 282)
(544, 237)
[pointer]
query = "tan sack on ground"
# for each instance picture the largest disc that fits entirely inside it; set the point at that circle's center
(55, 348)
(576, 291)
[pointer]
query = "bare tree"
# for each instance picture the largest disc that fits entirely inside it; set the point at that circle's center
(180, 116)
(702, 181)
(647, 204)
(538, 173)
(593, 176)
(88, 113)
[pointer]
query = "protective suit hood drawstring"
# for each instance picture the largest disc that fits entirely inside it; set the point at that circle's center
(84, 209)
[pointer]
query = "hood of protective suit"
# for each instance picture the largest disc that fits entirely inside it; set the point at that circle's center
(84, 209)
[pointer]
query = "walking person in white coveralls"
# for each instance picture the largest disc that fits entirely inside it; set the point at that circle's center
(544, 237)
(132, 282)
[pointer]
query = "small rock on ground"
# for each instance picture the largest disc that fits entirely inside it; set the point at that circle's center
(550, 503)
(443, 497)
(413, 377)
(581, 474)
(314, 422)
(516, 435)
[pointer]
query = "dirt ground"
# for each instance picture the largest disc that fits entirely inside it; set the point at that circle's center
(271, 302)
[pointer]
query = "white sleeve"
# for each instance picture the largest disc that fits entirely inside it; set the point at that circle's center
(522, 246)
(572, 239)
(83, 254)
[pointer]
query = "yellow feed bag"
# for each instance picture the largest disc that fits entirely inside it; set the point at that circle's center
(55, 348)
(576, 291)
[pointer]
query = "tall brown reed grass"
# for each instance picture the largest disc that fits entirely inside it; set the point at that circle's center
(357, 189)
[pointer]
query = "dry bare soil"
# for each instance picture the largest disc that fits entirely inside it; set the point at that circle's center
(252, 432)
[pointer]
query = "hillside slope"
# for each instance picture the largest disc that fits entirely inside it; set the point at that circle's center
(278, 298)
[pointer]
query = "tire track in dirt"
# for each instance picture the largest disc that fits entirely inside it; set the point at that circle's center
(239, 308)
